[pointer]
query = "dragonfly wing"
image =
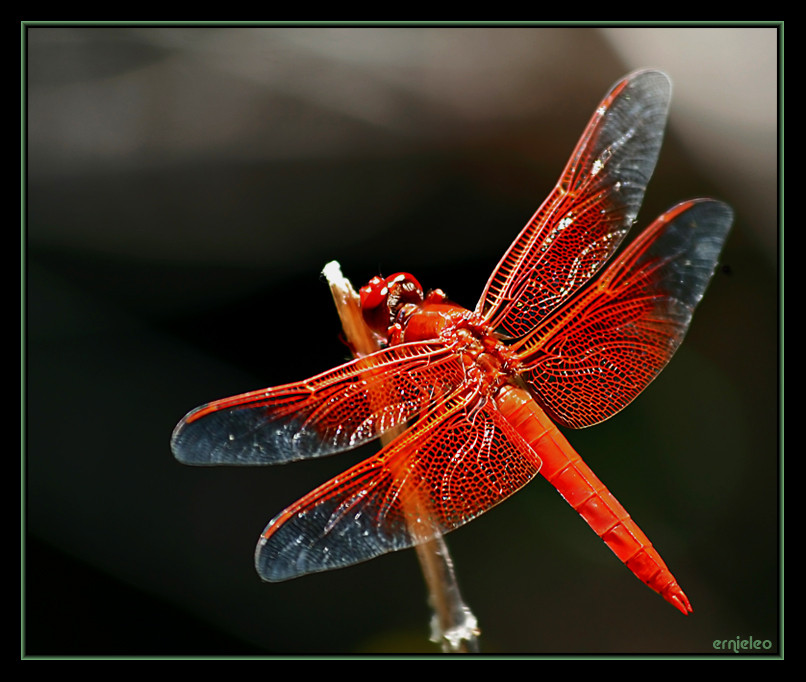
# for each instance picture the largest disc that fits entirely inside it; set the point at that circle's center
(337, 410)
(597, 354)
(455, 463)
(582, 222)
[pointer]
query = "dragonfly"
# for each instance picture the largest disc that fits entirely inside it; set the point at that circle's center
(569, 329)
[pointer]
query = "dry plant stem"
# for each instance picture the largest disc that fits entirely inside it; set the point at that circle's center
(453, 625)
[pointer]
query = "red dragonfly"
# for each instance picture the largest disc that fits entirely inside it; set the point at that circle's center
(479, 394)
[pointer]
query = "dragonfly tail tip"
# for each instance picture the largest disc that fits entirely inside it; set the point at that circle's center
(677, 598)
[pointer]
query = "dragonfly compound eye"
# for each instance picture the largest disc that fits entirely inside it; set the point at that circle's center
(382, 298)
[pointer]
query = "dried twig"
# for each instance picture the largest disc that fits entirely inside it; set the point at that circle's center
(453, 625)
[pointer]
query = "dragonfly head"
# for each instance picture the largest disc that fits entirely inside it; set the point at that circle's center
(383, 297)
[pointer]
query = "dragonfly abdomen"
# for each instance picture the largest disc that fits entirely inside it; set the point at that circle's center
(581, 488)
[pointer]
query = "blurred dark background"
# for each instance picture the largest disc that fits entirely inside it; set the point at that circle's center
(184, 188)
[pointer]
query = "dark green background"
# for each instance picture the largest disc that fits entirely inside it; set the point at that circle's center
(185, 186)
